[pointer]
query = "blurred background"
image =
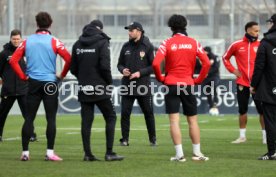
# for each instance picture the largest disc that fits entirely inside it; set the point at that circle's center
(207, 18)
(212, 22)
(215, 23)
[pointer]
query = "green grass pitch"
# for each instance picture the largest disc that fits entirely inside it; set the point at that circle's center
(142, 160)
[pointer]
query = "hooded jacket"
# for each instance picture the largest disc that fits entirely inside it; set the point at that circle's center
(264, 76)
(91, 64)
(12, 84)
(137, 56)
(213, 74)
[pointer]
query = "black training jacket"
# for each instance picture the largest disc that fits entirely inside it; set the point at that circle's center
(137, 56)
(213, 73)
(264, 76)
(91, 65)
(12, 84)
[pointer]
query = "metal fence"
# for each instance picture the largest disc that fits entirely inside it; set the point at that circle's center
(217, 45)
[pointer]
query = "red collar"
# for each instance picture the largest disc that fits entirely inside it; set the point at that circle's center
(43, 32)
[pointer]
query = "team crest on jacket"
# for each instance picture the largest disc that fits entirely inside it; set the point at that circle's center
(142, 54)
(255, 49)
(274, 91)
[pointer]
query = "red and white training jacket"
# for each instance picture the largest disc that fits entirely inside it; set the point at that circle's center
(41, 51)
(180, 52)
(245, 55)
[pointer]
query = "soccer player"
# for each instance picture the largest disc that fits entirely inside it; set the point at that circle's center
(180, 52)
(264, 85)
(244, 51)
(13, 88)
(91, 66)
(134, 63)
(40, 50)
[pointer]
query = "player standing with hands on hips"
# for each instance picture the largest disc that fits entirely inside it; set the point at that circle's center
(180, 52)
(41, 50)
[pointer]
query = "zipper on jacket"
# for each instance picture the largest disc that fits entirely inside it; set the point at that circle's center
(248, 72)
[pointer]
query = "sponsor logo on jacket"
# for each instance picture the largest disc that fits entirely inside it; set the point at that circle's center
(127, 52)
(242, 49)
(274, 91)
(81, 51)
(274, 51)
(87, 88)
(255, 49)
(9, 57)
(175, 47)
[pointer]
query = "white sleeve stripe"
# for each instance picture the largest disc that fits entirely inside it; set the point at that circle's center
(230, 48)
(59, 44)
(199, 47)
(162, 47)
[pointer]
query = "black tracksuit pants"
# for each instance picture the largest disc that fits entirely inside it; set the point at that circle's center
(87, 117)
(270, 126)
(6, 105)
(211, 92)
(48, 93)
(145, 103)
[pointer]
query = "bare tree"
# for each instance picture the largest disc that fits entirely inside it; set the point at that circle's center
(216, 12)
(202, 4)
(155, 9)
(270, 7)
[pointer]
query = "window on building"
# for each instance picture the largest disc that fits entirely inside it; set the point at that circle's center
(197, 20)
(108, 20)
(145, 20)
(122, 20)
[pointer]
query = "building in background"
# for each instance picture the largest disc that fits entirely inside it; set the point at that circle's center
(207, 18)
(215, 23)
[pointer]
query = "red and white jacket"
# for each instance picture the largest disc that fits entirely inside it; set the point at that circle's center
(245, 55)
(180, 54)
(41, 56)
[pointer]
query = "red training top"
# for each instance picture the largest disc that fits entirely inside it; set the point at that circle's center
(180, 53)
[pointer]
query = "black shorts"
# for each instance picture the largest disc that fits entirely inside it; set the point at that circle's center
(187, 98)
(243, 94)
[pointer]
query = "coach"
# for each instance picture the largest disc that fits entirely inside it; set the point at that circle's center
(135, 64)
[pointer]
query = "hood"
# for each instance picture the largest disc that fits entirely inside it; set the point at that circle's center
(91, 35)
(9, 46)
(146, 40)
(270, 36)
(211, 55)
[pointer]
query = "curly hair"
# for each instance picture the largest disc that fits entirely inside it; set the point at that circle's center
(177, 22)
(43, 20)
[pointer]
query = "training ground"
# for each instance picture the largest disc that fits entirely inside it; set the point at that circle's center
(141, 160)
